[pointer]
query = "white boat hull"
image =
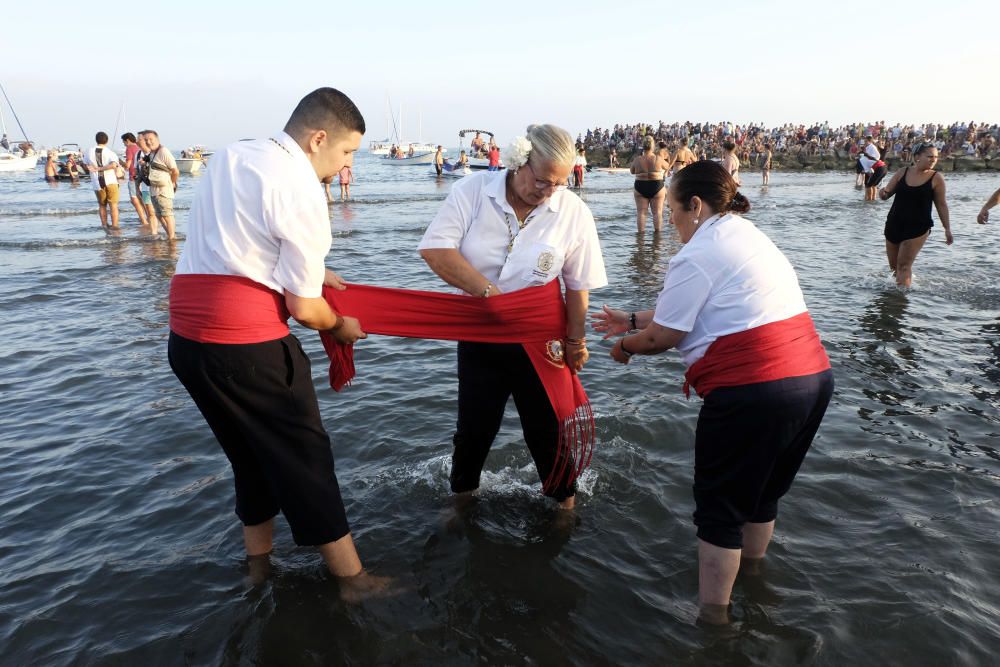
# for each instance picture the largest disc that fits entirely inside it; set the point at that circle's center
(189, 165)
(424, 158)
(451, 171)
(9, 162)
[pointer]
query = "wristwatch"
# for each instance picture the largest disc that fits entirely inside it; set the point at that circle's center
(631, 319)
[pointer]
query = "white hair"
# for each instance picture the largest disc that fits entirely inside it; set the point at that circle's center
(552, 143)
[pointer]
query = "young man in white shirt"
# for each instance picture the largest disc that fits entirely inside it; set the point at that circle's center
(258, 234)
(102, 163)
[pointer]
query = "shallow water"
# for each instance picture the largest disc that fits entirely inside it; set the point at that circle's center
(119, 545)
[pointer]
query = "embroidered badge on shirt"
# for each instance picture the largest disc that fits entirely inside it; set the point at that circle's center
(545, 261)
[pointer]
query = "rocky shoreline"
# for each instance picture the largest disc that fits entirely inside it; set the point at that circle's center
(598, 157)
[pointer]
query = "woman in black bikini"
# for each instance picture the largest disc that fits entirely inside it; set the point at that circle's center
(909, 221)
(649, 169)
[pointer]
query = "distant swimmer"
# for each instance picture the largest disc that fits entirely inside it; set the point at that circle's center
(765, 165)
(730, 162)
(682, 158)
(873, 166)
(649, 170)
(984, 214)
(909, 221)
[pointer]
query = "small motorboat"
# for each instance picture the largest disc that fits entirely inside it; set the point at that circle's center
(452, 171)
(408, 160)
(15, 162)
(189, 165)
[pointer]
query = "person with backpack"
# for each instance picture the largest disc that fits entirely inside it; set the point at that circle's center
(102, 163)
(162, 178)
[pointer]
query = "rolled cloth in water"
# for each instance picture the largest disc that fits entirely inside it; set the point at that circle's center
(535, 317)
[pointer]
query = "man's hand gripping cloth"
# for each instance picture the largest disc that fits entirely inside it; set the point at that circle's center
(535, 317)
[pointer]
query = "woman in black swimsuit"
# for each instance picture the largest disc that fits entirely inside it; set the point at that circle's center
(909, 221)
(649, 169)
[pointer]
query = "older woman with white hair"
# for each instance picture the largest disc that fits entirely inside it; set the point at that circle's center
(501, 232)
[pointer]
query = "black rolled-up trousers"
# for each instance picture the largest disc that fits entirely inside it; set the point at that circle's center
(489, 374)
(260, 403)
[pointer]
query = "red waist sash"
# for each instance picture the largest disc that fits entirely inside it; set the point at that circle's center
(226, 309)
(534, 317)
(783, 349)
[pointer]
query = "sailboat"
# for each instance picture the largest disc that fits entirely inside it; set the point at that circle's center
(24, 158)
(410, 152)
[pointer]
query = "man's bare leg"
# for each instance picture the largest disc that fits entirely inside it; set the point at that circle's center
(343, 562)
(102, 211)
(114, 215)
(168, 225)
(140, 211)
(154, 222)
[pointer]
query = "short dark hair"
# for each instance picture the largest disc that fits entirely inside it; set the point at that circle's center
(709, 181)
(326, 109)
(128, 136)
(101, 137)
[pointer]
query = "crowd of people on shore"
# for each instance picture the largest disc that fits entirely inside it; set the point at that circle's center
(753, 140)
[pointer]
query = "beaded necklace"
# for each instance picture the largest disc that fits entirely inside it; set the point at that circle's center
(279, 145)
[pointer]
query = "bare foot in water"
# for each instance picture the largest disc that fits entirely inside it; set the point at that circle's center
(364, 586)
(713, 614)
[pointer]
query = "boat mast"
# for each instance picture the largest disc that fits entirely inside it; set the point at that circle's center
(14, 114)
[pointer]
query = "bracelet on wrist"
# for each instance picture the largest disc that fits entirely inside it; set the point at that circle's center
(576, 341)
(631, 319)
(486, 290)
(628, 355)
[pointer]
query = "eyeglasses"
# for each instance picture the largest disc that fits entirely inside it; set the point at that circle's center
(545, 185)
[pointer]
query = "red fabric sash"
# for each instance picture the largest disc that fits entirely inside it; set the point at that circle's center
(534, 317)
(783, 349)
(226, 309)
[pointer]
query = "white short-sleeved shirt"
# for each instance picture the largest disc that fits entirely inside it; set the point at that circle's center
(869, 157)
(559, 240)
(728, 278)
(108, 157)
(259, 212)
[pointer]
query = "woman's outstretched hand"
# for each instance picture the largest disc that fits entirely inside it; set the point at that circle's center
(610, 321)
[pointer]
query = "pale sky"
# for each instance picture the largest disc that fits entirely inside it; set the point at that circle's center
(213, 72)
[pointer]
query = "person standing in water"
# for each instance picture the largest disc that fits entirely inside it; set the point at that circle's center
(765, 166)
(648, 189)
(909, 221)
(258, 236)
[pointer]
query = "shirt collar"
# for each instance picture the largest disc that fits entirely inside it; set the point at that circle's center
(292, 147)
(496, 187)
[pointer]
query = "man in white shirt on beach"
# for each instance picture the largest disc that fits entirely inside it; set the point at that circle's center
(102, 163)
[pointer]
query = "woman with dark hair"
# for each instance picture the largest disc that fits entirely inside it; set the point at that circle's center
(732, 307)
(649, 169)
(909, 221)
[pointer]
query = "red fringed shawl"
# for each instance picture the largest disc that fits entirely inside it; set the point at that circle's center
(534, 317)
